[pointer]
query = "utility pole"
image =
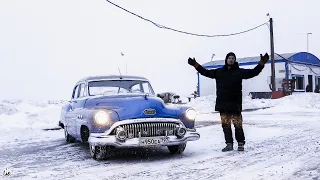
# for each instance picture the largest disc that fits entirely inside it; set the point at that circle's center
(273, 74)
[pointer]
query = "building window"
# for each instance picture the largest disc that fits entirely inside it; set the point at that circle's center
(299, 82)
(317, 80)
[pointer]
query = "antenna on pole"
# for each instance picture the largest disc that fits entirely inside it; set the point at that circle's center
(122, 54)
(119, 71)
(213, 55)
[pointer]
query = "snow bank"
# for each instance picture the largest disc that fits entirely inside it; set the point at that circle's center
(206, 104)
(305, 102)
(26, 120)
(29, 114)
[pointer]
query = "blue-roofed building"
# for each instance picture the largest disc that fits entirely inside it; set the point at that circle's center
(302, 66)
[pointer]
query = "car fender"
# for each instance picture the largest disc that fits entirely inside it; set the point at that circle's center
(87, 119)
(181, 111)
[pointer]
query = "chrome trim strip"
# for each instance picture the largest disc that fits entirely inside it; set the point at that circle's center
(118, 79)
(101, 140)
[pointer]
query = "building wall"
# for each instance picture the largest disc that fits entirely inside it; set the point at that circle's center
(259, 83)
(298, 70)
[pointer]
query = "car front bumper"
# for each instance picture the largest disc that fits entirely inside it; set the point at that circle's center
(98, 139)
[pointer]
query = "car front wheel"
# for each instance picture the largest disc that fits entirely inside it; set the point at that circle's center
(100, 152)
(177, 149)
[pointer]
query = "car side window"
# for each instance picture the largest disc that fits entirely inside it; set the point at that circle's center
(82, 90)
(146, 88)
(85, 90)
(75, 92)
(135, 88)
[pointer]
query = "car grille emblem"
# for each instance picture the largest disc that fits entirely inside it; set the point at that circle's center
(130, 135)
(145, 133)
(158, 132)
(149, 111)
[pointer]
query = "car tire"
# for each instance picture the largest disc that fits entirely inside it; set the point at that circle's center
(61, 125)
(85, 134)
(100, 152)
(177, 149)
(68, 137)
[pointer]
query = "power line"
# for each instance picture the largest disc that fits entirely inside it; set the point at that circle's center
(313, 71)
(184, 32)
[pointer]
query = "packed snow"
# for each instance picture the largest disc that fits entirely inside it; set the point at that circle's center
(282, 142)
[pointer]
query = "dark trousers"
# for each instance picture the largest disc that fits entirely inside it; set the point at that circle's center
(236, 119)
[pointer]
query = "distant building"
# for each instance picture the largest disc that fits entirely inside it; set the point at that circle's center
(302, 66)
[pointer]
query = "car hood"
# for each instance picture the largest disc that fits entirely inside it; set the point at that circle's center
(133, 106)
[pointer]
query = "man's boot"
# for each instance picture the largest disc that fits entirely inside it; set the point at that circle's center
(240, 146)
(229, 147)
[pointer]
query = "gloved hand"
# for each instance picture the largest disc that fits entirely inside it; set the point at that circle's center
(264, 59)
(192, 61)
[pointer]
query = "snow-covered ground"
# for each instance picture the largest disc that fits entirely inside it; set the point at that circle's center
(283, 142)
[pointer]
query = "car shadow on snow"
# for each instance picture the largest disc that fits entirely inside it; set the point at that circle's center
(137, 154)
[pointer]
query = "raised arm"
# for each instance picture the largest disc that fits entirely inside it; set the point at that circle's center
(250, 73)
(208, 73)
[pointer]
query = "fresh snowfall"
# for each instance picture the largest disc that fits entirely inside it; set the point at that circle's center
(282, 142)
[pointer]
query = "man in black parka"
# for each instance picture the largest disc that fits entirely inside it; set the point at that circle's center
(229, 94)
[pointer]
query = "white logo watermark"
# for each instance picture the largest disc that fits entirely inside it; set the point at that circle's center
(6, 172)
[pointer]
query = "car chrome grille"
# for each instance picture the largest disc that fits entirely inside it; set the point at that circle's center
(149, 129)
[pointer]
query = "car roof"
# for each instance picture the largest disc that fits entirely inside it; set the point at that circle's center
(112, 77)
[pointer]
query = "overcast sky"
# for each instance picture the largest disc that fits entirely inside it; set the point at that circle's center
(47, 46)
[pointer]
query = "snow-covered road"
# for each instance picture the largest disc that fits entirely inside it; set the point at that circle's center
(278, 147)
(282, 143)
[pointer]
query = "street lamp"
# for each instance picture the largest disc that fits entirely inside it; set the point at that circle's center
(308, 41)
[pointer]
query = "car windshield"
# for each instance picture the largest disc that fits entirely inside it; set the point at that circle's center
(109, 87)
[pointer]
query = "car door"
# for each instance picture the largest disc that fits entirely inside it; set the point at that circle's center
(79, 108)
(71, 114)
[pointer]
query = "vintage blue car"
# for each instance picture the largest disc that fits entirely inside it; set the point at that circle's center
(110, 112)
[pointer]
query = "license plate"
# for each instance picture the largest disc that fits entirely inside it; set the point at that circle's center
(153, 141)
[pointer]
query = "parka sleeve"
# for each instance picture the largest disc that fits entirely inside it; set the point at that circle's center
(250, 73)
(212, 73)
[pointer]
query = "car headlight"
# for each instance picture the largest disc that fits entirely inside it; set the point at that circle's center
(191, 114)
(101, 118)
